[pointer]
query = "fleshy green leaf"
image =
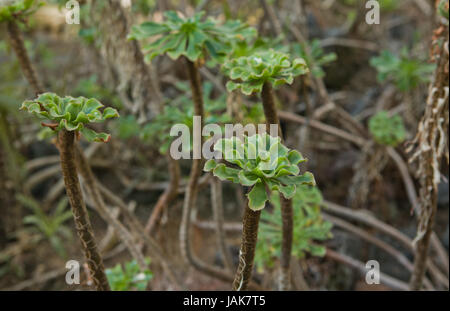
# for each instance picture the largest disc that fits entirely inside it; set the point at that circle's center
(248, 179)
(210, 165)
(295, 157)
(94, 136)
(287, 191)
(226, 173)
(257, 197)
(305, 179)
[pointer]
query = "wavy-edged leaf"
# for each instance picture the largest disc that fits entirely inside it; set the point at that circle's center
(210, 165)
(91, 135)
(257, 197)
(248, 179)
(226, 173)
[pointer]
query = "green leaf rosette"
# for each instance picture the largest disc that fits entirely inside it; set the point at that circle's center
(191, 36)
(71, 114)
(386, 130)
(249, 73)
(261, 162)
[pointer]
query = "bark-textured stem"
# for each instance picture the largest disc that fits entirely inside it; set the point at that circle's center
(248, 246)
(82, 223)
(16, 40)
(196, 169)
(10, 183)
(5, 199)
(168, 195)
(94, 192)
(192, 187)
(217, 205)
(138, 230)
(287, 218)
(270, 109)
(432, 141)
(287, 213)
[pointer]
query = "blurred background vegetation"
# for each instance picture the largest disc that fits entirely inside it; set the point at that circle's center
(368, 81)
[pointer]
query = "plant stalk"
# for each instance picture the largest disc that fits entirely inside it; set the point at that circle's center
(16, 41)
(432, 145)
(10, 182)
(137, 229)
(247, 251)
(94, 193)
(5, 199)
(287, 213)
(217, 205)
(287, 218)
(192, 186)
(168, 195)
(66, 140)
(196, 169)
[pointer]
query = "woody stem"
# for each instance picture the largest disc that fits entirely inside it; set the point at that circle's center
(81, 218)
(270, 112)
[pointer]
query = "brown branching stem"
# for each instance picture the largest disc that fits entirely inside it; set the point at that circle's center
(272, 17)
(5, 198)
(192, 187)
(217, 207)
(10, 183)
(413, 198)
(16, 41)
(367, 219)
(168, 195)
(94, 193)
(395, 253)
(138, 230)
(66, 140)
(287, 213)
(247, 250)
(53, 274)
(431, 146)
(360, 142)
(361, 267)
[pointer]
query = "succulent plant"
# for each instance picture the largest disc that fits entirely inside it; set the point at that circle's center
(406, 72)
(71, 114)
(260, 44)
(190, 36)
(248, 47)
(51, 227)
(10, 10)
(129, 276)
(388, 131)
(316, 59)
(309, 227)
(260, 162)
(249, 73)
(443, 8)
(180, 111)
